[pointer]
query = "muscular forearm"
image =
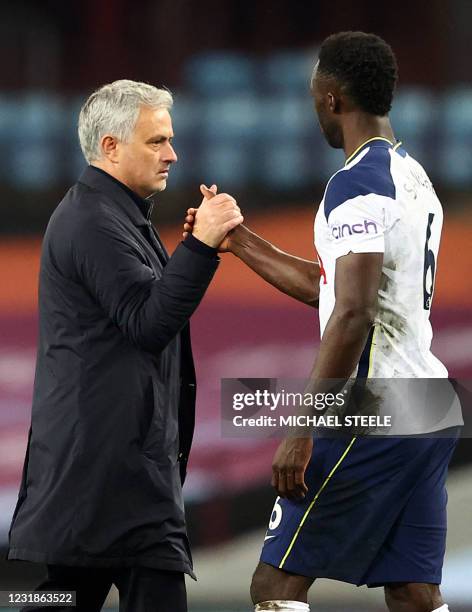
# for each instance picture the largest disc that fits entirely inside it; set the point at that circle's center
(297, 277)
(342, 344)
(356, 292)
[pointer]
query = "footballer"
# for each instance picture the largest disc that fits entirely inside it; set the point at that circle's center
(367, 511)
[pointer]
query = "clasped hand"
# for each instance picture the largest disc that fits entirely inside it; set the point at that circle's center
(214, 219)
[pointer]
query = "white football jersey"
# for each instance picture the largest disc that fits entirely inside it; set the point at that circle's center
(382, 201)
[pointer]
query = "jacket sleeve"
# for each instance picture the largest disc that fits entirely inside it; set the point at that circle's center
(149, 311)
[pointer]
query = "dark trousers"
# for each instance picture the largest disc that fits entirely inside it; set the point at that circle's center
(141, 589)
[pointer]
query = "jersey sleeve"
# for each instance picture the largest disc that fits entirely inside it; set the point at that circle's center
(357, 226)
(360, 205)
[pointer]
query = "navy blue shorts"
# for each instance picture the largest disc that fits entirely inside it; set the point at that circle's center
(375, 512)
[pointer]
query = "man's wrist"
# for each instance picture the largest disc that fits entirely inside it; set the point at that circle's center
(240, 240)
(197, 246)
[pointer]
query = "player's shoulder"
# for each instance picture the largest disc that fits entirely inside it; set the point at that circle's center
(368, 173)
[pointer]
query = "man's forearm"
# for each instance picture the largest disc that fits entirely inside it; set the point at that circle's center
(297, 277)
(343, 342)
(356, 292)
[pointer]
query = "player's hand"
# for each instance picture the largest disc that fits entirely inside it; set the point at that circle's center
(289, 465)
(189, 222)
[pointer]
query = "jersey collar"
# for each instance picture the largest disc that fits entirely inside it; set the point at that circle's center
(379, 139)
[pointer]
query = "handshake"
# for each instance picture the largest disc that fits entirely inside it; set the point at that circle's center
(215, 218)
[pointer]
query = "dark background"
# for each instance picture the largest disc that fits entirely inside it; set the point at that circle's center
(55, 53)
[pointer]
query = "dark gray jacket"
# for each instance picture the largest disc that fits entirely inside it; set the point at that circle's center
(114, 392)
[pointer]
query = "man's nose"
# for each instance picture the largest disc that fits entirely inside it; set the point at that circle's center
(170, 155)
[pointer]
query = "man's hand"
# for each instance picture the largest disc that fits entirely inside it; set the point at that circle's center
(208, 194)
(297, 277)
(216, 216)
(189, 221)
(289, 465)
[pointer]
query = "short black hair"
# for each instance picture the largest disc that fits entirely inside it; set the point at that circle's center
(365, 64)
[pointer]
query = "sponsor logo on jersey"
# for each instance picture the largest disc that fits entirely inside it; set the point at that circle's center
(348, 229)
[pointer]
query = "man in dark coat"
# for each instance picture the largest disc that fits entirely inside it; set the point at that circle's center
(114, 393)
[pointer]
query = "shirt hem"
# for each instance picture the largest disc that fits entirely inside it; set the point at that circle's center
(161, 563)
(431, 578)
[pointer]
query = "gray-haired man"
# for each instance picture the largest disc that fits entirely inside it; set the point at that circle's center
(114, 394)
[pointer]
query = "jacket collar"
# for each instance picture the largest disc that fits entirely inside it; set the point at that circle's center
(136, 208)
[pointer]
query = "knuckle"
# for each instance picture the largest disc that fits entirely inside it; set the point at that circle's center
(228, 198)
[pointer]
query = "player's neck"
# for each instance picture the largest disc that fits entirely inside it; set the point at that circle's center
(360, 127)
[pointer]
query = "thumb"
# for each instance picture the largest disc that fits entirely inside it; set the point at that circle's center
(208, 193)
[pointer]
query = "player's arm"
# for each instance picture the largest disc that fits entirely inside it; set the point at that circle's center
(357, 282)
(299, 278)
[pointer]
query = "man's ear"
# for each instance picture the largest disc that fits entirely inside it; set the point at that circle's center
(109, 145)
(333, 102)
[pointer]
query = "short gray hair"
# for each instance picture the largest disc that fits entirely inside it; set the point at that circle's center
(113, 109)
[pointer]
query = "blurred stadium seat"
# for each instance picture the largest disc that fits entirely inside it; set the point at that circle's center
(456, 151)
(414, 113)
(35, 145)
(415, 117)
(457, 112)
(260, 129)
(228, 129)
(219, 73)
(289, 72)
(284, 133)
